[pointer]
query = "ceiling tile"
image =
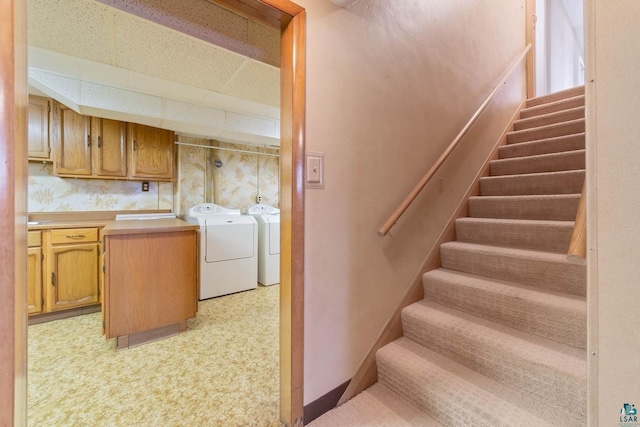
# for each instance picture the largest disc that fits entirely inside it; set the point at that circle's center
(110, 98)
(267, 40)
(171, 55)
(77, 28)
(182, 111)
(256, 82)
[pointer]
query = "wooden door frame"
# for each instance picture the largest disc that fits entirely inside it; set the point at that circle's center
(284, 14)
(13, 205)
(530, 24)
(291, 19)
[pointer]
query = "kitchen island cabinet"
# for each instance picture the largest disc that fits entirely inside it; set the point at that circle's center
(150, 279)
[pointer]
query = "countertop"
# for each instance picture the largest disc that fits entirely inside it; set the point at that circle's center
(138, 226)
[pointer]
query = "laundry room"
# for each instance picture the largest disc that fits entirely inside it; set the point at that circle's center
(120, 127)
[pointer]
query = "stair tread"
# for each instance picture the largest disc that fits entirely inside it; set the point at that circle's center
(546, 270)
(551, 97)
(559, 103)
(551, 126)
(527, 123)
(448, 390)
(554, 182)
(376, 406)
(541, 157)
(544, 235)
(550, 372)
(555, 315)
(544, 146)
(545, 296)
(529, 197)
(532, 347)
(508, 252)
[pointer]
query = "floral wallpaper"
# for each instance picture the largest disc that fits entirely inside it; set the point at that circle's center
(49, 193)
(235, 183)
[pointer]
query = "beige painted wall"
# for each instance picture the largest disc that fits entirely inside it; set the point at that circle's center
(389, 85)
(613, 156)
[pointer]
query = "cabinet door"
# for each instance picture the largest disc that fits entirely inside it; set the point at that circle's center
(71, 141)
(151, 152)
(34, 280)
(73, 276)
(109, 152)
(39, 119)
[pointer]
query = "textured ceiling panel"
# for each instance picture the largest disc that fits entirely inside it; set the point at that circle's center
(256, 82)
(191, 113)
(209, 22)
(66, 86)
(77, 28)
(267, 41)
(254, 125)
(125, 101)
(172, 55)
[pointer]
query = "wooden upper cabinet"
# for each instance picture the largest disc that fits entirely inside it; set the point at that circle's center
(109, 147)
(39, 128)
(150, 152)
(72, 142)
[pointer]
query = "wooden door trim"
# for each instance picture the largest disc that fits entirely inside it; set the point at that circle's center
(530, 23)
(13, 221)
(291, 19)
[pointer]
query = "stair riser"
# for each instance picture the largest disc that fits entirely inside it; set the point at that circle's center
(468, 347)
(540, 110)
(553, 276)
(534, 237)
(547, 209)
(551, 131)
(549, 119)
(573, 160)
(569, 183)
(552, 97)
(429, 387)
(545, 146)
(561, 324)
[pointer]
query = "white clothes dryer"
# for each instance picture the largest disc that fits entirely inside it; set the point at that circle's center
(268, 219)
(227, 250)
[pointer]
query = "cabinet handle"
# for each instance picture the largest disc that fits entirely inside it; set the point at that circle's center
(75, 236)
(88, 140)
(53, 279)
(99, 142)
(134, 145)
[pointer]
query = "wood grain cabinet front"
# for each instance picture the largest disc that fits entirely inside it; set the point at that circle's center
(150, 152)
(72, 142)
(35, 300)
(72, 276)
(39, 128)
(109, 147)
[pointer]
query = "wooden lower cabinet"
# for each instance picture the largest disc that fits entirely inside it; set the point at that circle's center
(72, 276)
(35, 301)
(63, 270)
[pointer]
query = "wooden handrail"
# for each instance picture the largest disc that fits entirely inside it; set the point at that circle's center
(578, 245)
(423, 182)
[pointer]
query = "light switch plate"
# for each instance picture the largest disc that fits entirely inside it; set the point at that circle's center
(314, 169)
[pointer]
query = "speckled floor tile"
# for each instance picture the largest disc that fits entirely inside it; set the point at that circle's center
(222, 372)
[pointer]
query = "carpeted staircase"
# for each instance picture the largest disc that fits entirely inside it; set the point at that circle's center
(499, 338)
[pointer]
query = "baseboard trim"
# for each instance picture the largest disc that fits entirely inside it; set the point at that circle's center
(367, 374)
(324, 403)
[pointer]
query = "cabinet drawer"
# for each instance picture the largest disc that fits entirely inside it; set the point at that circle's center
(73, 235)
(34, 238)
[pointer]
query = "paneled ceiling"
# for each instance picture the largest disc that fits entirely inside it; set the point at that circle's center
(111, 62)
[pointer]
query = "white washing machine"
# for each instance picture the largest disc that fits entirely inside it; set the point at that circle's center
(268, 219)
(227, 250)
